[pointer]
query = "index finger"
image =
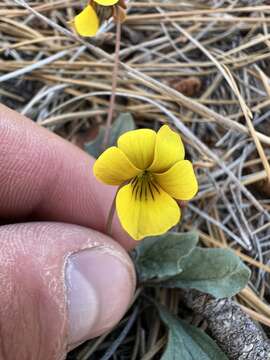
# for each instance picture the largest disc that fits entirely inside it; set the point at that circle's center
(44, 177)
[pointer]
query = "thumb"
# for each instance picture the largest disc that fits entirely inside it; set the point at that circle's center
(60, 284)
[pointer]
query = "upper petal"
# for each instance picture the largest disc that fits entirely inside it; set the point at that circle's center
(113, 167)
(139, 146)
(87, 22)
(106, 2)
(179, 181)
(168, 150)
(146, 214)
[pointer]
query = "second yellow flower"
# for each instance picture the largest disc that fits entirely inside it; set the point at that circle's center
(88, 21)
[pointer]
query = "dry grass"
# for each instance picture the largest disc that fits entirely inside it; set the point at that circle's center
(202, 66)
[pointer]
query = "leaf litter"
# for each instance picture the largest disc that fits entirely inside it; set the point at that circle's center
(200, 66)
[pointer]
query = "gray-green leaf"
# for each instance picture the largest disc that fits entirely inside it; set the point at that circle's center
(94, 147)
(122, 124)
(186, 342)
(162, 256)
(218, 272)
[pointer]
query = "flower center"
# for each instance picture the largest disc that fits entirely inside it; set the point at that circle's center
(144, 187)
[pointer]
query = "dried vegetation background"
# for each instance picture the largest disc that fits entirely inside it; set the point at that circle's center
(202, 66)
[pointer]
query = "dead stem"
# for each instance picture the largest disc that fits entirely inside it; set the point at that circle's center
(114, 81)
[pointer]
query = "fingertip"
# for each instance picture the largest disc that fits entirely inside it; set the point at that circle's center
(60, 284)
(44, 177)
(96, 282)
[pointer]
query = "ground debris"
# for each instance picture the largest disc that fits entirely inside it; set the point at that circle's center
(174, 57)
(236, 334)
(189, 87)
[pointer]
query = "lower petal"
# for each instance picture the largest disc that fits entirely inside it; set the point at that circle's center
(148, 213)
(87, 22)
(179, 181)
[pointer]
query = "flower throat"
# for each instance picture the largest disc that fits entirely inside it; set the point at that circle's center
(144, 187)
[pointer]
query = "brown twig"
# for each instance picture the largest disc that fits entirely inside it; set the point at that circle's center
(237, 335)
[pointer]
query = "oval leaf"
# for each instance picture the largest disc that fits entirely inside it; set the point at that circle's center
(161, 256)
(218, 272)
(122, 124)
(94, 147)
(186, 342)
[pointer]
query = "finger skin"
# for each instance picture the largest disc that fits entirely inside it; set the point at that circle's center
(33, 311)
(44, 177)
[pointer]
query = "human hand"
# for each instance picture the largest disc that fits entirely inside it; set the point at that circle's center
(61, 280)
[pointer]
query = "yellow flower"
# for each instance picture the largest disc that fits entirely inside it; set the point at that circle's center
(95, 13)
(151, 168)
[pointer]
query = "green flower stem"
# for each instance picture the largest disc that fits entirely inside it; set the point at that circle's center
(112, 211)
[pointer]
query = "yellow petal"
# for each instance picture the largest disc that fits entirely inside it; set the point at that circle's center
(139, 146)
(179, 181)
(113, 167)
(86, 22)
(169, 149)
(146, 213)
(106, 2)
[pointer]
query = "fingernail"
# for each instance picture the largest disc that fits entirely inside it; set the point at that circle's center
(99, 288)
